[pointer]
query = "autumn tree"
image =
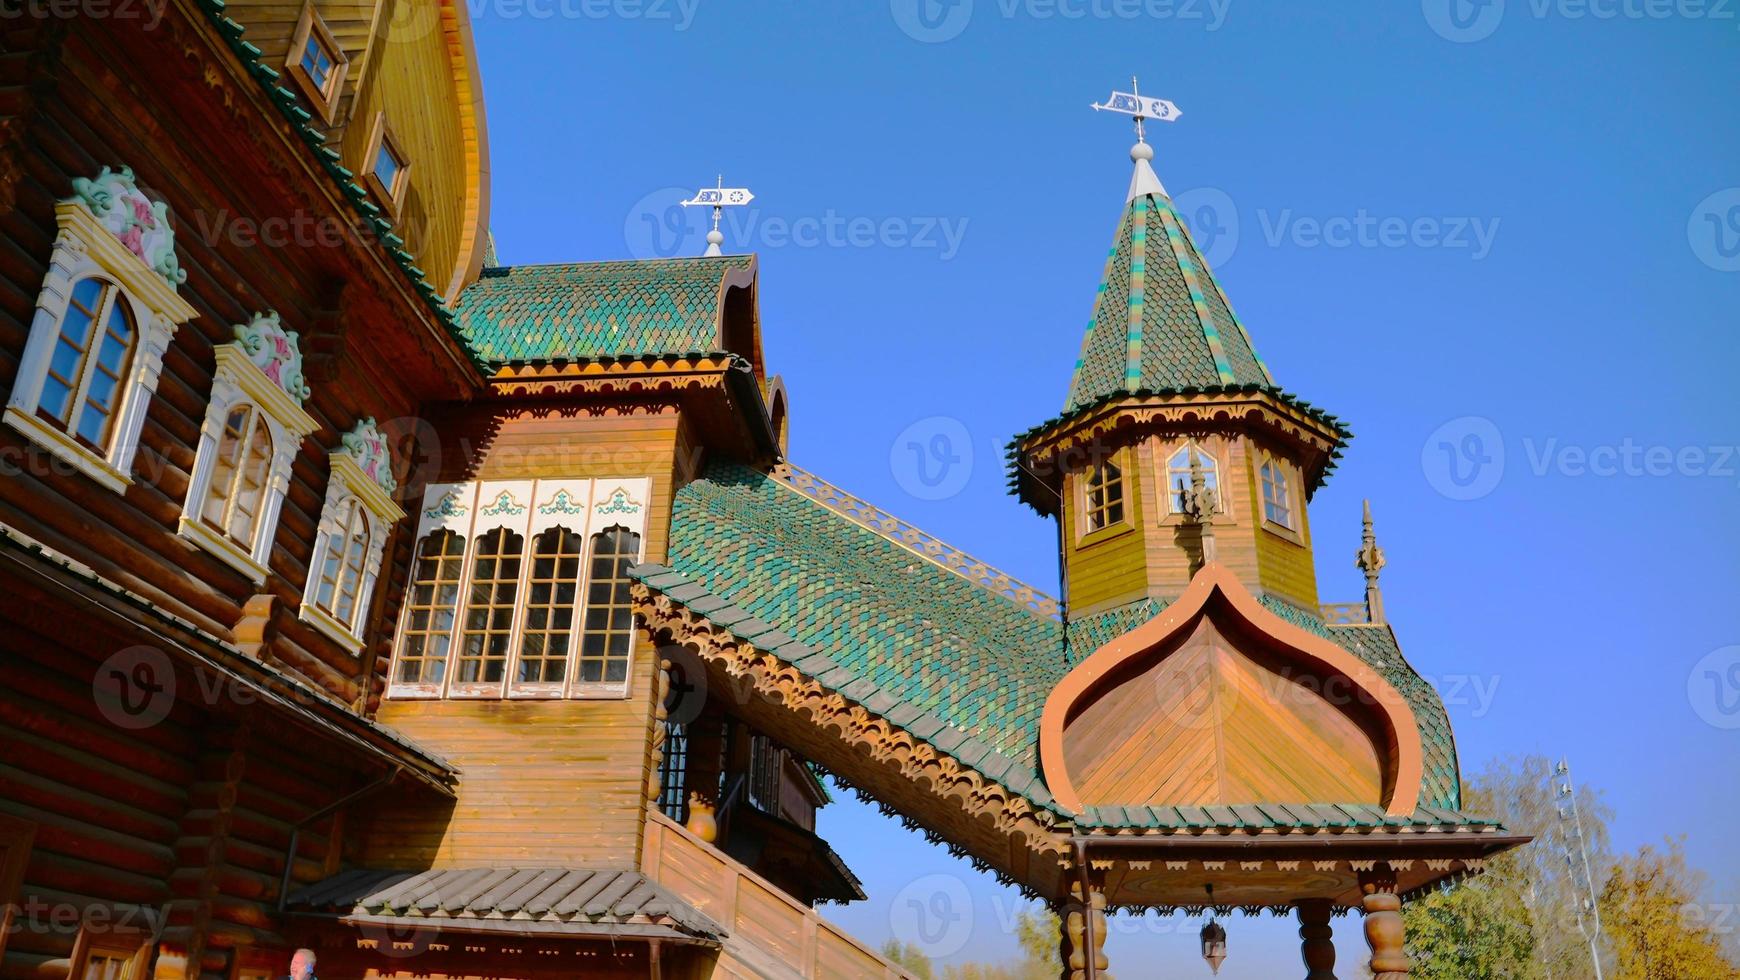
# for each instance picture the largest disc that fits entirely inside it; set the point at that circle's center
(1655, 923)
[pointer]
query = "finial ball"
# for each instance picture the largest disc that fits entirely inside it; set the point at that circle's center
(715, 237)
(1141, 151)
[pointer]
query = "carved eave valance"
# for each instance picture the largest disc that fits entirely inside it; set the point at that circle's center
(954, 803)
(1038, 453)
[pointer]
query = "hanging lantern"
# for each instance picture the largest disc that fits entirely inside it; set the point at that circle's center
(1214, 945)
(1213, 938)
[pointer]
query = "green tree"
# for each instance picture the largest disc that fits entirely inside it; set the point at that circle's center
(1652, 917)
(1037, 933)
(910, 956)
(1478, 931)
(1517, 920)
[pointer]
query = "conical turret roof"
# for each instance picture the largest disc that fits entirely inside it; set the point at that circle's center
(1160, 320)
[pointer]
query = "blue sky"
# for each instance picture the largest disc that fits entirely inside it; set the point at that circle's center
(1502, 242)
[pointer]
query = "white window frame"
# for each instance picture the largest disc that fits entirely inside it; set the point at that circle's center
(1211, 464)
(446, 507)
(501, 505)
(601, 522)
(461, 508)
(104, 235)
(565, 504)
(1284, 473)
(239, 380)
(362, 474)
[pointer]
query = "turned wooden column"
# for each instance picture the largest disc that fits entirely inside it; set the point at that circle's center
(1084, 925)
(1384, 931)
(1316, 939)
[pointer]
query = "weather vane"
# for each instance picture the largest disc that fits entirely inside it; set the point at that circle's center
(719, 198)
(1132, 103)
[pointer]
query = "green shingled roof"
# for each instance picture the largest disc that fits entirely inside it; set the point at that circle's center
(1160, 320)
(928, 638)
(594, 310)
(948, 659)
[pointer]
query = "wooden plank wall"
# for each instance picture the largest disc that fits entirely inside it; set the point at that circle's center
(400, 64)
(546, 782)
(1154, 555)
(131, 538)
(190, 816)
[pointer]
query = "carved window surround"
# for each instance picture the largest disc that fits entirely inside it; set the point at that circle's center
(1215, 454)
(361, 477)
(238, 381)
(525, 509)
(89, 246)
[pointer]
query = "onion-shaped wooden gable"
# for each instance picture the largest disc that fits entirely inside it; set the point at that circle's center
(1219, 701)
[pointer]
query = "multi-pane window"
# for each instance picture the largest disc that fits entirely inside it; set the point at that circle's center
(341, 571)
(239, 474)
(552, 591)
(388, 167)
(82, 390)
(521, 589)
(1104, 495)
(1178, 479)
(254, 425)
(105, 314)
(355, 523)
(316, 63)
(673, 770)
(108, 965)
(431, 605)
(1277, 495)
(489, 608)
(609, 628)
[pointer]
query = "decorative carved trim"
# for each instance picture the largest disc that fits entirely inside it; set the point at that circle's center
(899, 753)
(273, 349)
(140, 224)
(1039, 455)
(927, 546)
(369, 450)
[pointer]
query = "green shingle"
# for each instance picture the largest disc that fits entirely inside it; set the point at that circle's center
(594, 310)
(1160, 320)
(969, 669)
(927, 636)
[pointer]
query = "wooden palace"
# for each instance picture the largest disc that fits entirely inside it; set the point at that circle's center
(446, 619)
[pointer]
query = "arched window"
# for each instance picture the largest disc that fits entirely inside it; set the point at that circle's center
(1105, 495)
(608, 633)
(489, 609)
(1178, 476)
(430, 604)
(342, 571)
(240, 470)
(81, 394)
(552, 589)
(1277, 493)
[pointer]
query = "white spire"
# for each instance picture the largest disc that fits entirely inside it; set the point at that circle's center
(1132, 103)
(1144, 180)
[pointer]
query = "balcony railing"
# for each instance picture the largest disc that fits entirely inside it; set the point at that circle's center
(771, 934)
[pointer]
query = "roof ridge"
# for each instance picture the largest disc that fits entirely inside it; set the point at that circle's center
(921, 543)
(629, 261)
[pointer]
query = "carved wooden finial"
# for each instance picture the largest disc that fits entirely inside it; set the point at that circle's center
(1370, 560)
(1197, 504)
